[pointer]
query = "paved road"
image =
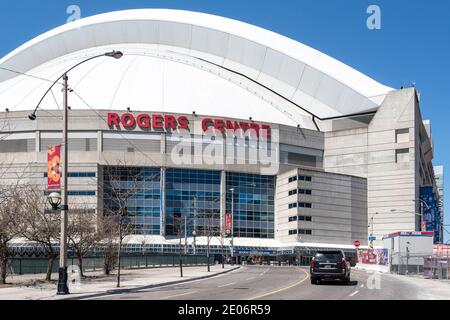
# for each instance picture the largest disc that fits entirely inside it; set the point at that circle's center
(283, 283)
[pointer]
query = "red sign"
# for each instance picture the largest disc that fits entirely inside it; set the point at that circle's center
(54, 167)
(228, 223)
(129, 121)
(357, 243)
(224, 125)
(368, 257)
(146, 121)
(374, 256)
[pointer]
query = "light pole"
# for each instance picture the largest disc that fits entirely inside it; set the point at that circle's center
(63, 289)
(232, 226)
(422, 202)
(371, 232)
(179, 247)
(232, 219)
(194, 233)
(223, 256)
(407, 256)
(185, 236)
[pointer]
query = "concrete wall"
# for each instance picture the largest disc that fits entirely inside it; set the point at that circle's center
(339, 208)
(388, 153)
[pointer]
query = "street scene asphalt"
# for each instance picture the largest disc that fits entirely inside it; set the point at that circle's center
(293, 283)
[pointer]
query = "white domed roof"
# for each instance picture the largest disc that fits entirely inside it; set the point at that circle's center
(180, 61)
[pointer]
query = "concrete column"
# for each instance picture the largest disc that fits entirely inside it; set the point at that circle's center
(223, 200)
(37, 145)
(37, 141)
(99, 144)
(163, 202)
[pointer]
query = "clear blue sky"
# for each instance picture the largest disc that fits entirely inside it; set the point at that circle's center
(412, 46)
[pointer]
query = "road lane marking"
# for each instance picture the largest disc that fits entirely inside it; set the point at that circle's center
(250, 278)
(226, 285)
(158, 288)
(351, 295)
(263, 273)
(283, 289)
(179, 295)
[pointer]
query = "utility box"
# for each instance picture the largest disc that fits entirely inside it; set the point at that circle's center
(407, 250)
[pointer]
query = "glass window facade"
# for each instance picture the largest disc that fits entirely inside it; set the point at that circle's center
(140, 189)
(254, 204)
(192, 200)
(194, 194)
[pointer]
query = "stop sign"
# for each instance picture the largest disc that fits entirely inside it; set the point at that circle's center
(357, 243)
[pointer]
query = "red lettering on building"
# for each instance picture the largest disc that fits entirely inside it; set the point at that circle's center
(254, 129)
(113, 120)
(244, 126)
(219, 125)
(206, 123)
(232, 125)
(170, 122)
(128, 120)
(183, 123)
(143, 121)
(157, 121)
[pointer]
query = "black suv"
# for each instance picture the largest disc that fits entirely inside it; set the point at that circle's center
(330, 265)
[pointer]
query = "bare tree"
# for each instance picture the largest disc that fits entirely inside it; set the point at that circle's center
(40, 226)
(82, 233)
(119, 190)
(14, 183)
(108, 236)
(10, 209)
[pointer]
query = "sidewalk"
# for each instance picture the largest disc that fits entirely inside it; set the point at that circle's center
(30, 287)
(427, 289)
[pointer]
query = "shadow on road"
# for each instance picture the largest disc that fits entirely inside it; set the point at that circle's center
(337, 283)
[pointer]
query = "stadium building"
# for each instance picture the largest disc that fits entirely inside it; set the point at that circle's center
(215, 117)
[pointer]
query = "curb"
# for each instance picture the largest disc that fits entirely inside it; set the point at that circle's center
(121, 291)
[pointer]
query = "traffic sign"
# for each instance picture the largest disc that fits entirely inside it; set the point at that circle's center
(357, 243)
(372, 238)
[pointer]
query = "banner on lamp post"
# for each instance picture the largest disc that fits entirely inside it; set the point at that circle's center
(424, 226)
(54, 168)
(228, 223)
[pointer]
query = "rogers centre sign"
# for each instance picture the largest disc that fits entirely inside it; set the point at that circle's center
(129, 121)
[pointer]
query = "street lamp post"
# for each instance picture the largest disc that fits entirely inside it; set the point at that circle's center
(407, 256)
(62, 282)
(179, 247)
(422, 203)
(232, 226)
(185, 236)
(232, 221)
(223, 256)
(371, 232)
(63, 289)
(194, 233)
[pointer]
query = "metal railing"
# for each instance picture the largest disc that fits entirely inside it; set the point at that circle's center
(26, 265)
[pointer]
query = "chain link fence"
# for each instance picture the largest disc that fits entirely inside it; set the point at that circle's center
(430, 267)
